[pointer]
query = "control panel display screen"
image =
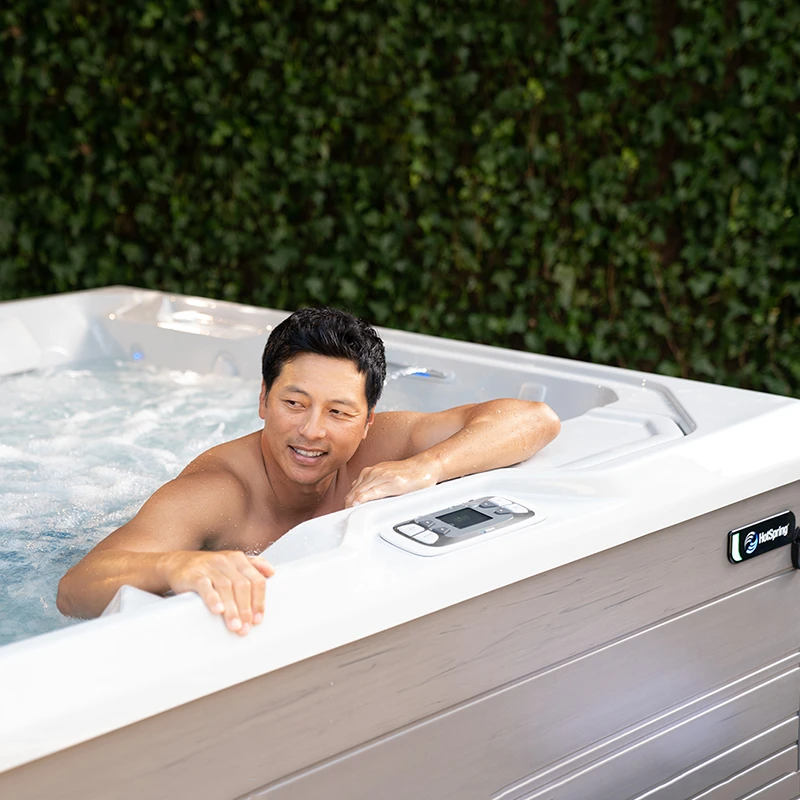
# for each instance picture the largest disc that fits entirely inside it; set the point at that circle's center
(464, 518)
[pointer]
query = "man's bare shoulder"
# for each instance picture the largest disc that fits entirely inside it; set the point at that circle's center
(227, 465)
(390, 438)
(397, 435)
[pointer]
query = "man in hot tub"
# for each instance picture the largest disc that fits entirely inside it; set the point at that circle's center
(322, 448)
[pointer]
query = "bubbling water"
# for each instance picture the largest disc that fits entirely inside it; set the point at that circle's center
(80, 450)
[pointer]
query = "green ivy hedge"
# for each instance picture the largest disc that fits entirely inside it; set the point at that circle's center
(616, 181)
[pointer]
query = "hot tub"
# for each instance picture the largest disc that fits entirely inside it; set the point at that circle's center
(624, 639)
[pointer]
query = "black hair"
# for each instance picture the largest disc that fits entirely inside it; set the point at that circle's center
(327, 332)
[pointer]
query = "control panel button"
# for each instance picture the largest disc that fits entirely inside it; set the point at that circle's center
(500, 501)
(426, 523)
(487, 504)
(426, 537)
(441, 529)
(516, 508)
(499, 512)
(410, 529)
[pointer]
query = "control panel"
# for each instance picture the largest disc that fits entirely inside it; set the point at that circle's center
(457, 526)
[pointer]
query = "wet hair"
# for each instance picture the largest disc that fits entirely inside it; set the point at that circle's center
(327, 332)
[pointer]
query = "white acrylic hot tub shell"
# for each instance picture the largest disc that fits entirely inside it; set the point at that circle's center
(666, 451)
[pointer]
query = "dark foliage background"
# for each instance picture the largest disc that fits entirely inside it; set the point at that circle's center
(615, 181)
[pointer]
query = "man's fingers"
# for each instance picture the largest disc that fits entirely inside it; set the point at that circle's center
(361, 496)
(261, 570)
(224, 587)
(361, 477)
(354, 488)
(243, 595)
(263, 566)
(236, 568)
(229, 583)
(376, 492)
(258, 582)
(387, 486)
(364, 485)
(210, 596)
(380, 485)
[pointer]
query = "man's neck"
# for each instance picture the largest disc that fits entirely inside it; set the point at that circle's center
(294, 502)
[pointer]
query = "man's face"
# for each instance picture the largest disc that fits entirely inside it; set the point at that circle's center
(315, 417)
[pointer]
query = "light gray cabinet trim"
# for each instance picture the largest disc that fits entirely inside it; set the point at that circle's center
(664, 673)
(787, 788)
(784, 763)
(691, 741)
(715, 772)
(454, 757)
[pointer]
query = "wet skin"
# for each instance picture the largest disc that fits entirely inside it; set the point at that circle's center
(321, 449)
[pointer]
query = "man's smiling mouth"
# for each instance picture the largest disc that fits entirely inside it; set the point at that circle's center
(307, 453)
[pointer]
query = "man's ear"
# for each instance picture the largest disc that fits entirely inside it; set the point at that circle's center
(262, 401)
(370, 420)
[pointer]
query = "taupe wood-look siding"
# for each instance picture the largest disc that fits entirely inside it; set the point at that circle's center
(737, 762)
(787, 788)
(445, 759)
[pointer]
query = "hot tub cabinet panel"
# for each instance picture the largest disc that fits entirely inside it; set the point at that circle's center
(634, 770)
(604, 649)
(738, 762)
(449, 762)
(787, 788)
(647, 674)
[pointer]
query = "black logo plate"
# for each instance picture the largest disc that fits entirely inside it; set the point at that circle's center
(760, 537)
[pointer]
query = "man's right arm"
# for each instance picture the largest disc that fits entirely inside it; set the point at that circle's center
(160, 550)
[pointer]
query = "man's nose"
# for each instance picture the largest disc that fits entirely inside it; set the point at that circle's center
(313, 426)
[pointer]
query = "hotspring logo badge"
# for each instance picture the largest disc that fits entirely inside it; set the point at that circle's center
(773, 533)
(760, 537)
(750, 542)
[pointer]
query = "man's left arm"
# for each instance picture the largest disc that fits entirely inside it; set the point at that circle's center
(415, 450)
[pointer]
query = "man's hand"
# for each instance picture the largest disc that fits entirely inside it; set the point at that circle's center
(426, 449)
(390, 478)
(230, 583)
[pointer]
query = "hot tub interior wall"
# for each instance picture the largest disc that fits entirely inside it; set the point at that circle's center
(211, 337)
